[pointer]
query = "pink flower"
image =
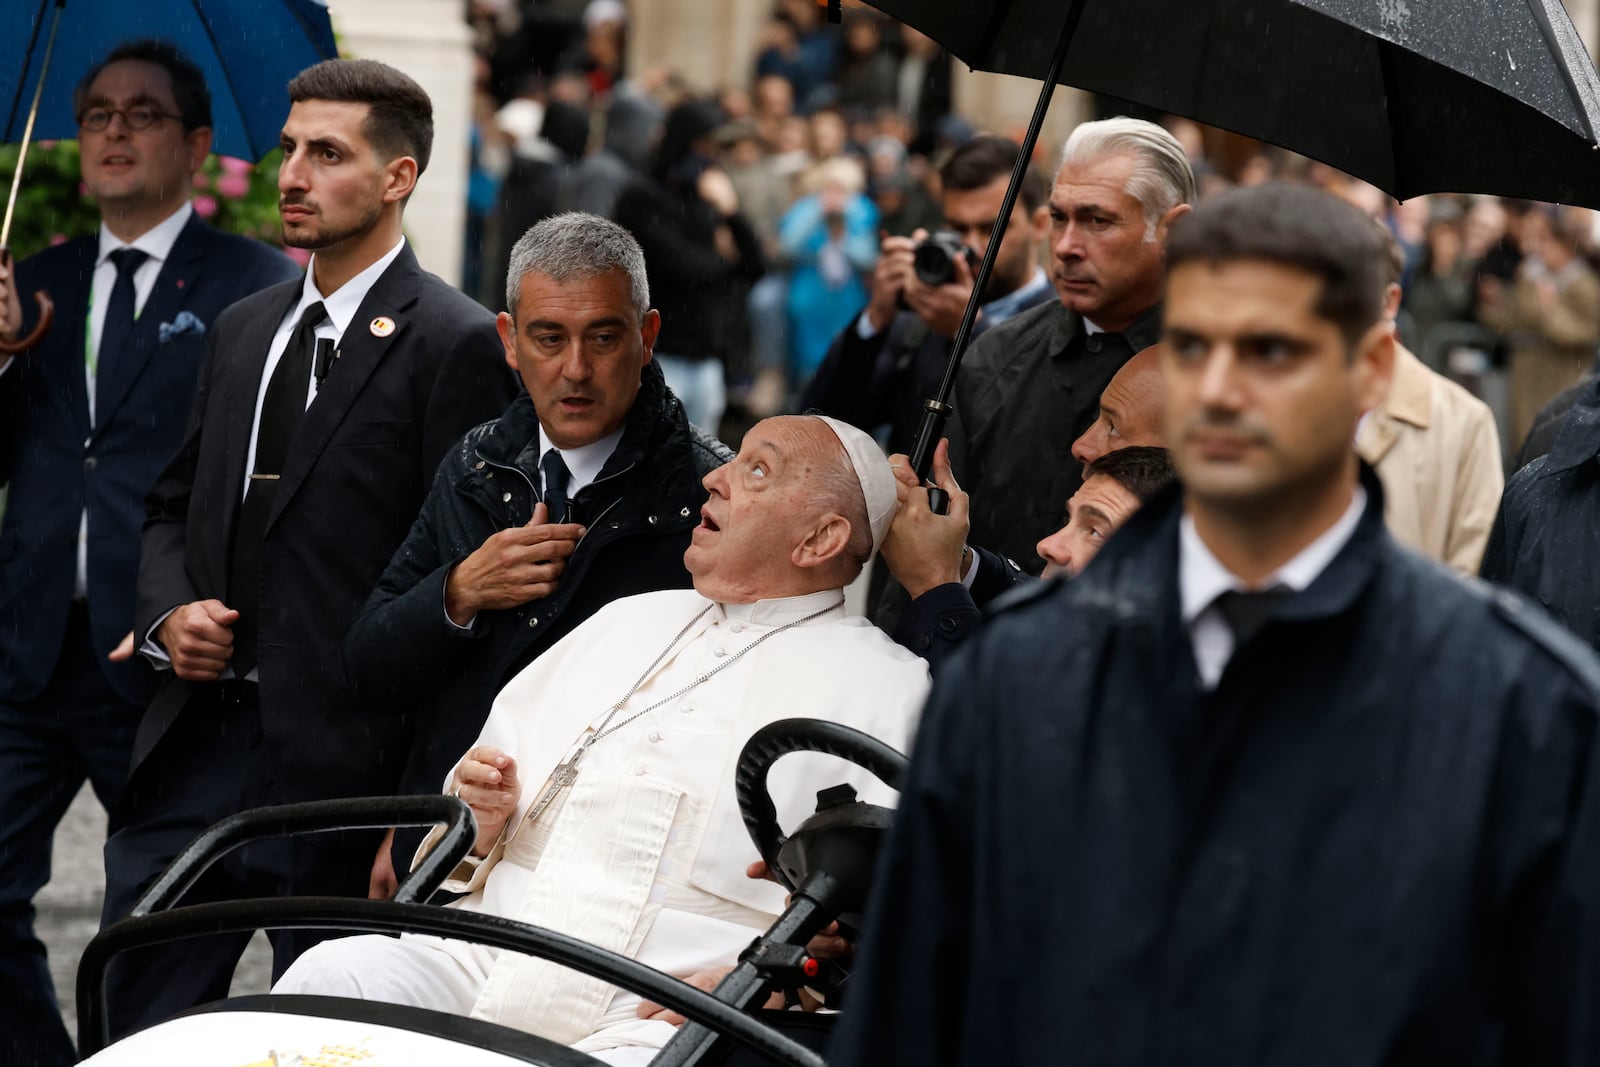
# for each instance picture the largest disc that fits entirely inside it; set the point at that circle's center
(301, 256)
(202, 180)
(234, 186)
(58, 238)
(83, 190)
(231, 165)
(46, 146)
(205, 206)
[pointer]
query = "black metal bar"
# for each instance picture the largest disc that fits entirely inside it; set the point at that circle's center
(375, 916)
(360, 813)
(745, 985)
(937, 411)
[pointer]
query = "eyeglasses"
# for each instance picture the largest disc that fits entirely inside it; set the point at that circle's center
(96, 119)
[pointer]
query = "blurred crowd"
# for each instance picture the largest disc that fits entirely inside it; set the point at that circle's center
(769, 199)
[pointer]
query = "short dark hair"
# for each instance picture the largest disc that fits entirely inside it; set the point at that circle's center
(1142, 470)
(1298, 227)
(987, 158)
(400, 122)
(188, 83)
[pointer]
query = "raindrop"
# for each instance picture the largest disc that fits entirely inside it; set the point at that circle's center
(1510, 60)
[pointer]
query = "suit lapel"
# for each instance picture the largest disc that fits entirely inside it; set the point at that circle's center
(360, 350)
(71, 297)
(180, 275)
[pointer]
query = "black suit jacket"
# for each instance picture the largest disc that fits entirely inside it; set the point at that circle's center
(360, 466)
(58, 465)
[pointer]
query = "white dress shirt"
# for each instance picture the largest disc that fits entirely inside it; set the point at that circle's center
(341, 308)
(1202, 579)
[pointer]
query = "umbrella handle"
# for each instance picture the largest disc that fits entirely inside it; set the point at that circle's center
(47, 316)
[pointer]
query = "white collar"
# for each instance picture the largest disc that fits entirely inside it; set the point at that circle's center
(779, 610)
(346, 300)
(585, 462)
(1202, 577)
(156, 242)
(1090, 328)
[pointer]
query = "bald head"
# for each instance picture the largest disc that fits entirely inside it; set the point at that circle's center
(1130, 410)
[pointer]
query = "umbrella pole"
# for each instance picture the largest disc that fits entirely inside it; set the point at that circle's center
(46, 307)
(27, 130)
(936, 411)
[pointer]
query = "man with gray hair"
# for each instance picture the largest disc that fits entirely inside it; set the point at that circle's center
(585, 490)
(1029, 387)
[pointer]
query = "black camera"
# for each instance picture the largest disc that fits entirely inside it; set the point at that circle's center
(934, 258)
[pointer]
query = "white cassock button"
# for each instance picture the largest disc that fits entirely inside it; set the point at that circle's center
(655, 735)
(686, 709)
(720, 651)
(639, 770)
(738, 627)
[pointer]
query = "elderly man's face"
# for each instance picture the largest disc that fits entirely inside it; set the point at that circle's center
(763, 504)
(1130, 410)
(1104, 267)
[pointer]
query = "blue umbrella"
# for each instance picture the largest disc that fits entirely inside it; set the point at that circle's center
(247, 49)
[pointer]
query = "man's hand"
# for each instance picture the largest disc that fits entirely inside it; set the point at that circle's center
(198, 638)
(486, 779)
(382, 883)
(889, 278)
(716, 189)
(10, 303)
(941, 306)
(512, 568)
(923, 550)
(124, 650)
(706, 981)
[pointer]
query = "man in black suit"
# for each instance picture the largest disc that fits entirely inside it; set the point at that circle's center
(326, 406)
(88, 417)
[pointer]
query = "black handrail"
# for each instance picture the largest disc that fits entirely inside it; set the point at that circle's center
(325, 913)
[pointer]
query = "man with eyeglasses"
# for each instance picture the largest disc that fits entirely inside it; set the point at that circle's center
(88, 418)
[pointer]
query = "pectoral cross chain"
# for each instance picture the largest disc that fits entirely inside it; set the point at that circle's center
(563, 776)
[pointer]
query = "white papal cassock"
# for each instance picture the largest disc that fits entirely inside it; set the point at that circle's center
(645, 853)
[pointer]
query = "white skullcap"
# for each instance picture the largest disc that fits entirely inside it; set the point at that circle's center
(604, 11)
(872, 471)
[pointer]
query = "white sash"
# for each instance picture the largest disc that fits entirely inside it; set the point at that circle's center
(608, 839)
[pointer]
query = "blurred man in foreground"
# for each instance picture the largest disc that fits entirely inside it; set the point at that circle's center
(1260, 787)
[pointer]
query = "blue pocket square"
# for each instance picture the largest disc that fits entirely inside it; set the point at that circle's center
(186, 323)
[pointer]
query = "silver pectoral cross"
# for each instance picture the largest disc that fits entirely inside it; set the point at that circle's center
(562, 777)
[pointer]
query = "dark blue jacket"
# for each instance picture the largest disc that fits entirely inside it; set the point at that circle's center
(57, 465)
(1376, 841)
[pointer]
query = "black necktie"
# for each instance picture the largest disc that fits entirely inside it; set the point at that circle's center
(556, 477)
(281, 412)
(1246, 613)
(118, 327)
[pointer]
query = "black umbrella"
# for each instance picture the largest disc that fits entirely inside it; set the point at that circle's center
(1414, 96)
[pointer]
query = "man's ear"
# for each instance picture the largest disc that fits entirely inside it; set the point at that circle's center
(400, 177)
(1039, 222)
(507, 328)
(1373, 365)
(1172, 215)
(199, 142)
(649, 330)
(827, 542)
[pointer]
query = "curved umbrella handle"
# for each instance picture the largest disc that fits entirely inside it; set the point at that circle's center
(47, 317)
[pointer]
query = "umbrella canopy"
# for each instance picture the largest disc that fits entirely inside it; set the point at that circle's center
(1414, 96)
(248, 49)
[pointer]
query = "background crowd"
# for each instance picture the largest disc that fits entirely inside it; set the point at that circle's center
(836, 138)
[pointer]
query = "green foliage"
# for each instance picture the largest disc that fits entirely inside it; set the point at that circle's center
(229, 193)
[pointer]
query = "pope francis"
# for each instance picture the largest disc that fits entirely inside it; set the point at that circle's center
(603, 780)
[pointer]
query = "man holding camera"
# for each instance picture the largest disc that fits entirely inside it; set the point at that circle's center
(882, 366)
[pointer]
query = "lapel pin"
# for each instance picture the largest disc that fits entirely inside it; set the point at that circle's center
(180, 283)
(382, 326)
